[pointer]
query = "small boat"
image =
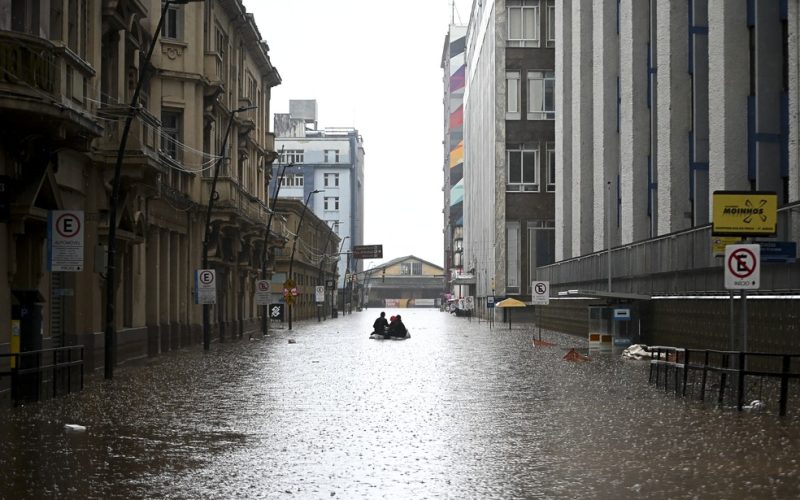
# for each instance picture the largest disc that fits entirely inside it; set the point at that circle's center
(386, 336)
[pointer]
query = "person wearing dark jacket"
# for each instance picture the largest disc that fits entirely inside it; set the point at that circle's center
(380, 324)
(397, 328)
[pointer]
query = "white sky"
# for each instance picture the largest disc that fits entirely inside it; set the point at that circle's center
(374, 65)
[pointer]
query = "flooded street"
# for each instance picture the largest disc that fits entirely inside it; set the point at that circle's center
(457, 411)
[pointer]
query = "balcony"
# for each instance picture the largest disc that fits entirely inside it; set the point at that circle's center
(235, 204)
(40, 79)
(213, 71)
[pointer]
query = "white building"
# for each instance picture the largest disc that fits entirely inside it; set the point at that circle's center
(330, 160)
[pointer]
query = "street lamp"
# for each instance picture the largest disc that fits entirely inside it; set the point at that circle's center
(212, 197)
(339, 256)
(294, 246)
(321, 270)
(110, 329)
(265, 314)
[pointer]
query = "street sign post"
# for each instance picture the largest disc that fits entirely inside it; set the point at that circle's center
(319, 294)
(742, 267)
(368, 252)
(262, 292)
(205, 284)
(540, 293)
(742, 272)
(65, 240)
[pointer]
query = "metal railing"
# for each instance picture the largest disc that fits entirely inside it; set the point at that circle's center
(719, 370)
(677, 263)
(28, 371)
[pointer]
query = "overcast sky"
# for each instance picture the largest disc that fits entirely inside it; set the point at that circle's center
(374, 65)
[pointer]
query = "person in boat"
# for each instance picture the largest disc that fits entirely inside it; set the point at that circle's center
(397, 328)
(380, 324)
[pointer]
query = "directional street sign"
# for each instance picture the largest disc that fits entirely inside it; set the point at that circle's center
(540, 293)
(205, 281)
(368, 252)
(742, 267)
(65, 240)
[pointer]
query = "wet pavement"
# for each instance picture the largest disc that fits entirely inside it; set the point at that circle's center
(460, 410)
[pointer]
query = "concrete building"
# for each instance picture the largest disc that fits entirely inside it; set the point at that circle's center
(454, 68)
(509, 145)
(662, 103)
(330, 160)
(403, 282)
(64, 96)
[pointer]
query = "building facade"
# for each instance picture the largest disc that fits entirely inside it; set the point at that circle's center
(664, 103)
(69, 73)
(509, 145)
(454, 68)
(403, 282)
(330, 160)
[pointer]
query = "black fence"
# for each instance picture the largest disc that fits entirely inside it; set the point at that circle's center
(37, 375)
(732, 377)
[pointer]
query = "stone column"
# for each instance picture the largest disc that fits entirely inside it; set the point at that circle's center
(727, 118)
(175, 280)
(673, 110)
(606, 139)
(152, 284)
(164, 290)
(563, 126)
(582, 120)
(634, 123)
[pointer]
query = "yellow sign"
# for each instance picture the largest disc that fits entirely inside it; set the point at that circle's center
(744, 213)
(15, 341)
(718, 244)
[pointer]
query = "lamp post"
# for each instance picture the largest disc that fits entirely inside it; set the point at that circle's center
(339, 256)
(110, 327)
(279, 182)
(321, 269)
(213, 195)
(294, 245)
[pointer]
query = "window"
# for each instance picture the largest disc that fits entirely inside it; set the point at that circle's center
(334, 225)
(170, 133)
(512, 252)
(331, 203)
(292, 180)
(331, 156)
(512, 95)
(522, 169)
(541, 95)
(171, 27)
(411, 268)
(551, 168)
(541, 245)
(523, 23)
(331, 180)
(551, 24)
(294, 156)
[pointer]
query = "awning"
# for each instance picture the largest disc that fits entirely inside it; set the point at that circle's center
(464, 279)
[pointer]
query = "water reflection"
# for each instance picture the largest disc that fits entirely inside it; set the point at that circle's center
(459, 410)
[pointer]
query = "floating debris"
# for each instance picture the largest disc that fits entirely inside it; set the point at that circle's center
(74, 428)
(292, 341)
(574, 355)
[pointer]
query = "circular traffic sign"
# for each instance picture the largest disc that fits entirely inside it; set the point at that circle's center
(541, 288)
(206, 277)
(263, 286)
(68, 225)
(742, 263)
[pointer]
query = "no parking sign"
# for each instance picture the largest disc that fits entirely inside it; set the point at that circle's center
(742, 267)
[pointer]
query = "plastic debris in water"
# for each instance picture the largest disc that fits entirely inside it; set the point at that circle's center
(74, 428)
(292, 341)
